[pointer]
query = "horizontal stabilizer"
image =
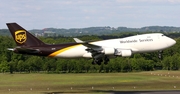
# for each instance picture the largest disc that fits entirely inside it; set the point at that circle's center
(10, 49)
(27, 50)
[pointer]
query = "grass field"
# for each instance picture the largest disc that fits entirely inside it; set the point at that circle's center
(91, 82)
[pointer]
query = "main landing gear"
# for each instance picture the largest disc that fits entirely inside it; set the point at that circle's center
(160, 54)
(100, 60)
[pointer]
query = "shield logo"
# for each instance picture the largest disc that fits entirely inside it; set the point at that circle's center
(20, 36)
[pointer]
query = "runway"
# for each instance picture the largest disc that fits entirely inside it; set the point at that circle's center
(142, 92)
(122, 92)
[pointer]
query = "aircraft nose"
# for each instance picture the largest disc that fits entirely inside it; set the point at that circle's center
(171, 42)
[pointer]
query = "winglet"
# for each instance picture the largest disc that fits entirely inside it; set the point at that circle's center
(78, 40)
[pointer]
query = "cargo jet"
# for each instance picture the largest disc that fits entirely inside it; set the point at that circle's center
(99, 51)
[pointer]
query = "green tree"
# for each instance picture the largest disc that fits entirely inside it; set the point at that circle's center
(4, 66)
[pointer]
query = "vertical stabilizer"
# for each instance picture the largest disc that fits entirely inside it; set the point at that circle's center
(22, 37)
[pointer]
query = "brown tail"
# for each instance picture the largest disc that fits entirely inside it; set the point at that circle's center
(22, 37)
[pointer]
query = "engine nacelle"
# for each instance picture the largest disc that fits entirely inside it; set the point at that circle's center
(108, 51)
(123, 53)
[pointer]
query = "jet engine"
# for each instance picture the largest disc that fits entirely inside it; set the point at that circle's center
(123, 53)
(117, 52)
(108, 51)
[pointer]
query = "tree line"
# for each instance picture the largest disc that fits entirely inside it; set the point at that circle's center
(12, 62)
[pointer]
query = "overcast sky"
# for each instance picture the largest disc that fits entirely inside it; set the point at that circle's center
(39, 14)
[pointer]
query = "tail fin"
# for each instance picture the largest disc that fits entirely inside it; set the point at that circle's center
(22, 37)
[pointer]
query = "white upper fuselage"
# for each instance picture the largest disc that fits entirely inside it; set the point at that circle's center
(137, 44)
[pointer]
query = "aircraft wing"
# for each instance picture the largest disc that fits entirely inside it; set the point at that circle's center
(94, 49)
(78, 40)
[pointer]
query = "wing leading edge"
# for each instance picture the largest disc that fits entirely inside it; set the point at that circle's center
(89, 45)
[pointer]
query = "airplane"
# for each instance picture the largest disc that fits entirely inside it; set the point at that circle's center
(99, 51)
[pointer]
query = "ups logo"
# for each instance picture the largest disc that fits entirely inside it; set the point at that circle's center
(20, 36)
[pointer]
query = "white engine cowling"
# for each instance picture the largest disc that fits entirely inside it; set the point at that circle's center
(123, 53)
(108, 51)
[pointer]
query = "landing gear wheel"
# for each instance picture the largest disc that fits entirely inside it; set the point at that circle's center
(106, 60)
(160, 54)
(93, 63)
(97, 61)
